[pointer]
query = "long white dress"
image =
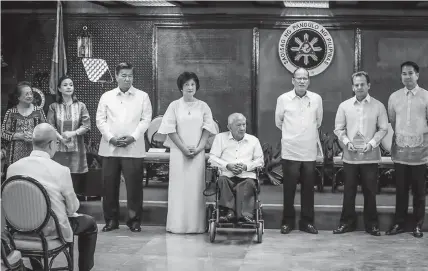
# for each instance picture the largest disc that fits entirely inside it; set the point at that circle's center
(186, 202)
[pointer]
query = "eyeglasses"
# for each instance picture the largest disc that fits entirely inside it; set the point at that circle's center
(56, 141)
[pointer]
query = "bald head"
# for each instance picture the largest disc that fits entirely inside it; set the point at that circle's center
(43, 134)
(301, 71)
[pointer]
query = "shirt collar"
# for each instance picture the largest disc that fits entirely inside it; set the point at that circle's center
(367, 99)
(413, 91)
(231, 137)
(294, 95)
(131, 91)
(40, 154)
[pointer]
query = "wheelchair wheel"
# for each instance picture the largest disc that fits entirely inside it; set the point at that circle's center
(212, 231)
(209, 215)
(259, 231)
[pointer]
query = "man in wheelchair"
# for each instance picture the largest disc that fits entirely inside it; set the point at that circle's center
(237, 155)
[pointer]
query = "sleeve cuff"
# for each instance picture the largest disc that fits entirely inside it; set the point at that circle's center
(167, 129)
(217, 161)
(250, 166)
(346, 141)
(373, 143)
(135, 135)
(210, 128)
(108, 137)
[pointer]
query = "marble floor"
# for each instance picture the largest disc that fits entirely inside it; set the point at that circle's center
(153, 249)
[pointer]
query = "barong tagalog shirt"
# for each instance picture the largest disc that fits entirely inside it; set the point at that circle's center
(226, 149)
(121, 114)
(299, 119)
(56, 179)
(408, 114)
(366, 119)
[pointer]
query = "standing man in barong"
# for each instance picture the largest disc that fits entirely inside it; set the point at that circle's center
(298, 115)
(361, 123)
(408, 115)
(123, 116)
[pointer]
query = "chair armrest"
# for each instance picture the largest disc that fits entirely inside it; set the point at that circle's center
(259, 171)
(215, 173)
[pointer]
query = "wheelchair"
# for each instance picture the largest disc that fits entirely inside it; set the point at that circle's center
(213, 210)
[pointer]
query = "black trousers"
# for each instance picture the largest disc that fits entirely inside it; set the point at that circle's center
(368, 174)
(132, 169)
(85, 227)
(295, 171)
(237, 194)
(406, 175)
(79, 182)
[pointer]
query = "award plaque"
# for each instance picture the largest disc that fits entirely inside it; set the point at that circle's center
(359, 141)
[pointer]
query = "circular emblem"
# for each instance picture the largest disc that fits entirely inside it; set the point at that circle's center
(308, 45)
(39, 97)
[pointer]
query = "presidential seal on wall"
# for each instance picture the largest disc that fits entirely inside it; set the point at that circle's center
(306, 44)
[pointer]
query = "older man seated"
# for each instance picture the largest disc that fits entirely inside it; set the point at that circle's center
(56, 179)
(237, 155)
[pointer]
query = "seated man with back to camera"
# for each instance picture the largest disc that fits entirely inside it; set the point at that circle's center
(237, 155)
(56, 179)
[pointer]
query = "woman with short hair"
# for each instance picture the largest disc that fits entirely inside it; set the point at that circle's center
(188, 122)
(19, 122)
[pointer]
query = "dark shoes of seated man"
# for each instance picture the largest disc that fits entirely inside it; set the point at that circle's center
(306, 227)
(374, 230)
(397, 229)
(230, 217)
(111, 225)
(114, 225)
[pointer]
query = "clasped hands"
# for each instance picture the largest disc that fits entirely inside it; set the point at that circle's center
(368, 147)
(236, 168)
(191, 151)
(122, 141)
(27, 137)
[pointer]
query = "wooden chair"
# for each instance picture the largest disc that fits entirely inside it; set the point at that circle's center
(156, 162)
(11, 259)
(27, 210)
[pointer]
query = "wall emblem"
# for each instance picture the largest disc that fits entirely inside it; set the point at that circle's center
(306, 44)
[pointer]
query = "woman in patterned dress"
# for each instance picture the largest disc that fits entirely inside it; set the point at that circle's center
(19, 122)
(71, 119)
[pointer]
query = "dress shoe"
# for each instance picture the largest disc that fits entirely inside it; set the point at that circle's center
(417, 232)
(396, 229)
(111, 225)
(374, 230)
(309, 228)
(343, 228)
(228, 218)
(246, 219)
(134, 226)
(286, 229)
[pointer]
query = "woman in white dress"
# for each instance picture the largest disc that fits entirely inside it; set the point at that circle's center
(188, 123)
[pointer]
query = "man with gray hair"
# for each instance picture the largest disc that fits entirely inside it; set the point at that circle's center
(237, 155)
(56, 179)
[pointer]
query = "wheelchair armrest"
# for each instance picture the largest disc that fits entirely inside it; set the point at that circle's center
(215, 173)
(259, 171)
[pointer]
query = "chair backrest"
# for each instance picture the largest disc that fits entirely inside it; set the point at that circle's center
(211, 137)
(26, 204)
(155, 139)
(386, 142)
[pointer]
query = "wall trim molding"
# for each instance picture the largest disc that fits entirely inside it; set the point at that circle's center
(332, 21)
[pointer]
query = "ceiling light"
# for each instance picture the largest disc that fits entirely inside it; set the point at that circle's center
(306, 4)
